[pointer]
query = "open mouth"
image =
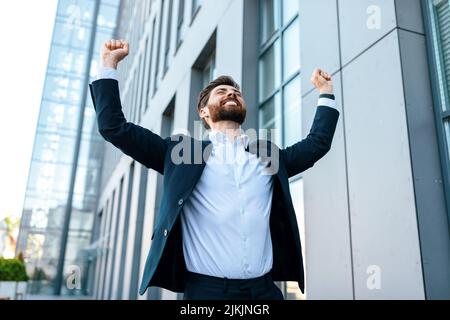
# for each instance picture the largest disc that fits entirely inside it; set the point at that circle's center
(231, 102)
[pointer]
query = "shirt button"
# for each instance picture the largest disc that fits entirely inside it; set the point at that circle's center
(180, 202)
(165, 232)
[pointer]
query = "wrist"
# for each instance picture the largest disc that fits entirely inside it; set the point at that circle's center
(326, 90)
(108, 63)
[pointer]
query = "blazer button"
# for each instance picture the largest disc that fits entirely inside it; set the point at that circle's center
(180, 202)
(165, 232)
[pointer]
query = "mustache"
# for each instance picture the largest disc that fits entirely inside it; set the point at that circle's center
(232, 100)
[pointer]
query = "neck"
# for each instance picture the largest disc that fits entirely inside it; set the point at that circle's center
(230, 128)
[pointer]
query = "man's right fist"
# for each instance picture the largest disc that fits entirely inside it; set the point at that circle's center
(113, 51)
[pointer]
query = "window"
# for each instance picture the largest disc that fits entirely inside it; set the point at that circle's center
(196, 4)
(279, 71)
(180, 23)
(291, 108)
(292, 291)
(105, 254)
(145, 79)
(108, 238)
(269, 19)
(203, 71)
(125, 231)
(137, 244)
(209, 70)
(270, 71)
(150, 52)
(437, 12)
(270, 117)
(157, 76)
(149, 7)
(117, 213)
(138, 106)
(168, 34)
(208, 75)
(135, 95)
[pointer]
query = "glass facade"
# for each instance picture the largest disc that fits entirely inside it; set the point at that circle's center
(279, 92)
(437, 13)
(279, 71)
(64, 170)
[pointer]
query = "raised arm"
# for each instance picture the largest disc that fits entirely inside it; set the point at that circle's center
(305, 153)
(139, 143)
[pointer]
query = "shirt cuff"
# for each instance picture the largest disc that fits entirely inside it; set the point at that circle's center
(107, 73)
(327, 100)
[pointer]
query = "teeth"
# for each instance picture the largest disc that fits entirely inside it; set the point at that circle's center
(231, 103)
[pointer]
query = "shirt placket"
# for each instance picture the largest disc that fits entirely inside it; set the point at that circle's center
(238, 167)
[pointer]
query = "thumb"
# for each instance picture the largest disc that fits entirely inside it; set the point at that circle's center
(125, 45)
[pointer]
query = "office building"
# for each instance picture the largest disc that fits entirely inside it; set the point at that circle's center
(64, 175)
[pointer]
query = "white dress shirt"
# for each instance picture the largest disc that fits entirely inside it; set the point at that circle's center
(107, 73)
(225, 221)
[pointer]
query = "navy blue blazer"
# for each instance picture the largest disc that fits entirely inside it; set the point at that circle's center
(165, 266)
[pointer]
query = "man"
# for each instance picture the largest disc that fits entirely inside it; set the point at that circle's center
(226, 229)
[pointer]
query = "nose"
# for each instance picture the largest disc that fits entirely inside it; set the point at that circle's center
(231, 94)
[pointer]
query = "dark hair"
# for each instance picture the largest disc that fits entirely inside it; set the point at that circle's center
(206, 92)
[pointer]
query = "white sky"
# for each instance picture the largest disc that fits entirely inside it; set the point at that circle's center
(26, 28)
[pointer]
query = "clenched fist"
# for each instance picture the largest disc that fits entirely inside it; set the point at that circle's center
(322, 81)
(113, 51)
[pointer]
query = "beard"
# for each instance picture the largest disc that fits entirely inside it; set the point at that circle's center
(228, 113)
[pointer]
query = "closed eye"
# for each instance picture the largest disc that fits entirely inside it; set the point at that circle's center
(222, 91)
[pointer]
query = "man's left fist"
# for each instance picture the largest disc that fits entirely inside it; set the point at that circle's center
(322, 81)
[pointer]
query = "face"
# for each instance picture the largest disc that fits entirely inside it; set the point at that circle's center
(225, 104)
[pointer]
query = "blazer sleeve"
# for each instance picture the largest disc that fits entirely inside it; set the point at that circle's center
(302, 155)
(139, 143)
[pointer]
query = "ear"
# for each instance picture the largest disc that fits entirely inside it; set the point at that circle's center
(204, 112)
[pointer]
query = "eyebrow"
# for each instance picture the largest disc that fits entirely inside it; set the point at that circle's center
(234, 89)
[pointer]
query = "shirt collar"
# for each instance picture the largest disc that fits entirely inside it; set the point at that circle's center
(218, 137)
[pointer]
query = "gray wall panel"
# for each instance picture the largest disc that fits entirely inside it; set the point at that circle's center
(383, 213)
(359, 24)
(319, 42)
(409, 15)
(327, 245)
